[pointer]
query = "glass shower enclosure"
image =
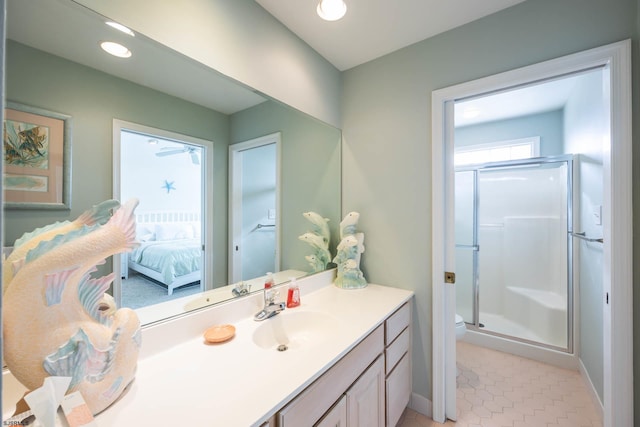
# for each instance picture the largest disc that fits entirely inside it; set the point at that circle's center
(513, 249)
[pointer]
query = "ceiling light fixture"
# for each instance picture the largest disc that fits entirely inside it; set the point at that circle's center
(331, 10)
(116, 49)
(120, 27)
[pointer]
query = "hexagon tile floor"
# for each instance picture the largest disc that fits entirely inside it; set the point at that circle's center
(496, 389)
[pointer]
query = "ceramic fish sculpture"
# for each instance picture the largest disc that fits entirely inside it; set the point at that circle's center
(314, 240)
(97, 215)
(57, 320)
(319, 238)
(348, 224)
(320, 225)
(348, 253)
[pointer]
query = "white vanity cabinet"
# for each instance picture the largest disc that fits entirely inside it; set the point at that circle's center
(365, 398)
(368, 387)
(397, 363)
(357, 372)
(336, 416)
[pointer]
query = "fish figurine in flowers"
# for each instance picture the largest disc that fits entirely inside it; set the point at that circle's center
(57, 320)
(349, 251)
(319, 239)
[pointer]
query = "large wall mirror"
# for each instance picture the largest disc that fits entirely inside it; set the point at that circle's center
(54, 63)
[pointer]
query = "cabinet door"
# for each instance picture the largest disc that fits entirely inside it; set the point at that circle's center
(398, 390)
(336, 416)
(365, 398)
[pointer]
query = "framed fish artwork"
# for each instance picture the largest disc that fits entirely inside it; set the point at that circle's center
(37, 158)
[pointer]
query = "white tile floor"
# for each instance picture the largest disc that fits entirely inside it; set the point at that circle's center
(497, 389)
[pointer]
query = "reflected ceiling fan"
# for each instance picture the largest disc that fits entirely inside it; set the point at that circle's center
(191, 151)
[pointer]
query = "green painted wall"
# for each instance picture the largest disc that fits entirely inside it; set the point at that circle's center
(387, 131)
(311, 176)
(93, 99)
(548, 126)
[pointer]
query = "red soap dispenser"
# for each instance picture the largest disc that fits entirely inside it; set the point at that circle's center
(268, 283)
(293, 296)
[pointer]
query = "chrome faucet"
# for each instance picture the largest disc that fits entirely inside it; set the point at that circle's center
(241, 289)
(271, 308)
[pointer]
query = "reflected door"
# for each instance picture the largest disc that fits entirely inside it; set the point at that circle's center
(167, 173)
(254, 201)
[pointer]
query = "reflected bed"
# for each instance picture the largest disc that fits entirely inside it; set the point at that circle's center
(170, 250)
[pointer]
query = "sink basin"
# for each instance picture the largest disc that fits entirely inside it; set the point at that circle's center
(292, 330)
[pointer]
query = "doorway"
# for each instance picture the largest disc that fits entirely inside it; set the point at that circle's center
(167, 172)
(254, 200)
(615, 299)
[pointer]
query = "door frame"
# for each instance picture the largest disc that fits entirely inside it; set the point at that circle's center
(235, 199)
(617, 224)
(206, 161)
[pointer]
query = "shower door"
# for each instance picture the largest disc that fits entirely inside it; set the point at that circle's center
(513, 253)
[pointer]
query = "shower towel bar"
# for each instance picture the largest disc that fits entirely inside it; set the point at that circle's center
(259, 226)
(583, 236)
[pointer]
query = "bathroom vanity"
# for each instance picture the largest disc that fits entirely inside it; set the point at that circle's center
(347, 361)
(346, 348)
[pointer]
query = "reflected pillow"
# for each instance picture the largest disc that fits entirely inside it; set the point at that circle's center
(144, 234)
(173, 231)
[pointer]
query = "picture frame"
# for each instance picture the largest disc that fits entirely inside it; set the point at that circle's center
(37, 158)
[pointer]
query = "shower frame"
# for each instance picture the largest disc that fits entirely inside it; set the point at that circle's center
(475, 247)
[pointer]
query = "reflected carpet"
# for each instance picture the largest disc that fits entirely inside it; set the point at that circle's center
(139, 291)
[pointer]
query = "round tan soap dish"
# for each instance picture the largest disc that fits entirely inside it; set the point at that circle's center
(219, 333)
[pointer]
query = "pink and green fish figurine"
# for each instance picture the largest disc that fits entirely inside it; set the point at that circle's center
(97, 215)
(54, 317)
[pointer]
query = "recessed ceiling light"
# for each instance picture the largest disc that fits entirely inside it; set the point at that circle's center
(116, 49)
(120, 27)
(331, 10)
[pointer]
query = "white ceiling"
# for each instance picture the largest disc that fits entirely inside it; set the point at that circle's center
(537, 98)
(367, 31)
(373, 28)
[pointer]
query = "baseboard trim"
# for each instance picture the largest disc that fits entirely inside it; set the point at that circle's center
(421, 405)
(590, 388)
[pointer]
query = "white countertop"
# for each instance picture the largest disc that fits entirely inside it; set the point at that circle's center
(238, 383)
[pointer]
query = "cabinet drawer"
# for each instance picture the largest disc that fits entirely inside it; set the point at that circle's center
(398, 388)
(396, 323)
(397, 349)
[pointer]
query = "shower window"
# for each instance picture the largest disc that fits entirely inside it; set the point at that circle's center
(516, 149)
